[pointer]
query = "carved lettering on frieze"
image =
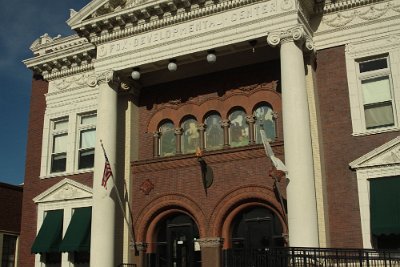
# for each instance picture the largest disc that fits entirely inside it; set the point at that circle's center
(200, 26)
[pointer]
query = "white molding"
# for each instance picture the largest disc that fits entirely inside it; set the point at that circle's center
(66, 195)
(368, 47)
(357, 23)
(66, 189)
(383, 161)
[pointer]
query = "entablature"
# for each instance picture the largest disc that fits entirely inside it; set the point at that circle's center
(150, 15)
(60, 56)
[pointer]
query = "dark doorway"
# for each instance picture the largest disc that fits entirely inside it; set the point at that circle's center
(256, 228)
(254, 232)
(176, 243)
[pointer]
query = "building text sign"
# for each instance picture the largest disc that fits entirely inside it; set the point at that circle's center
(193, 28)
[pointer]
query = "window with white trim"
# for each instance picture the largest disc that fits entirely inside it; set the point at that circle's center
(373, 75)
(376, 86)
(87, 140)
(59, 145)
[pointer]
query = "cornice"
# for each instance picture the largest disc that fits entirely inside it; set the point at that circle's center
(60, 56)
(153, 15)
(330, 6)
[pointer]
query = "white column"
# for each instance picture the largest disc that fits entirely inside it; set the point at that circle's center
(301, 198)
(103, 210)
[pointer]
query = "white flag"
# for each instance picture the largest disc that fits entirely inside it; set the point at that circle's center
(268, 150)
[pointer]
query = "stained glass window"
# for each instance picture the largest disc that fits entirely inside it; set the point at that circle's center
(190, 136)
(167, 139)
(214, 134)
(239, 129)
(264, 120)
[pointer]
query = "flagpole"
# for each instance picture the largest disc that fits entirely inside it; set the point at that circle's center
(131, 232)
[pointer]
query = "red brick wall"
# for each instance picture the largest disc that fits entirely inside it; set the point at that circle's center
(177, 180)
(33, 185)
(10, 208)
(340, 148)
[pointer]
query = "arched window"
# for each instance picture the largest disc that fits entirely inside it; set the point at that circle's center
(167, 139)
(214, 134)
(190, 136)
(239, 129)
(264, 120)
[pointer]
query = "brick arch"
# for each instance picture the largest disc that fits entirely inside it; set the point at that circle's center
(222, 105)
(235, 201)
(163, 206)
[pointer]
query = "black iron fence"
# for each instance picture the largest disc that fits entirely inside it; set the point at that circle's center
(311, 257)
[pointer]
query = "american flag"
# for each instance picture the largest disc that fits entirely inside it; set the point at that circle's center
(107, 173)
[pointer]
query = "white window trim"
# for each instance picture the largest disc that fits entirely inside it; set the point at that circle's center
(372, 48)
(73, 143)
(79, 129)
(373, 165)
(66, 195)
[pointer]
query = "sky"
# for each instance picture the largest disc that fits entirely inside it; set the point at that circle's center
(21, 23)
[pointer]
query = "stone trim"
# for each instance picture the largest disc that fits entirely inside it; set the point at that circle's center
(211, 242)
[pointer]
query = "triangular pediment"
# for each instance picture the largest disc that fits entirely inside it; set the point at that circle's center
(386, 154)
(64, 190)
(97, 8)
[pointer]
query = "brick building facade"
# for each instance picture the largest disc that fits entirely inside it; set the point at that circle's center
(174, 95)
(10, 222)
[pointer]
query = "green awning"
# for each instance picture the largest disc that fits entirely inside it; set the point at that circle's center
(77, 237)
(50, 234)
(385, 205)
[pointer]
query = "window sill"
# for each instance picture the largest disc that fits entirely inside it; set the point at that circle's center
(59, 174)
(377, 131)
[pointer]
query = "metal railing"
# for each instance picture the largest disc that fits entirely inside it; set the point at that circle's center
(127, 265)
(311, 257)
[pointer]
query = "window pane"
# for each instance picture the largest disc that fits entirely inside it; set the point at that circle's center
(88, 138)
(61, 125)
(214, 135)
(58, 162)
(9, 247)
(379, 115)
(86, 159)
(167, 139)
(88, 119)
(375, 64)
(60, 143)
(239, 129)
(264, 120)
(190, 137)
(376, 90)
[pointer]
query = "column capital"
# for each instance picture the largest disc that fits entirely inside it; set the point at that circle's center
(100, 78)
(178, 131)
(296, 34)
(210, 242)
(250, 118)
(202, 126)
(156, 134)
(225, 123)
(140, 246)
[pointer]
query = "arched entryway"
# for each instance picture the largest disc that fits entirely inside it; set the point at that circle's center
(175, 244)
(256, 227)
(253, 232)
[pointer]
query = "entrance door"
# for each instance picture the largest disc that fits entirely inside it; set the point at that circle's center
(176, 244)
(256, 228)
(254, 231)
